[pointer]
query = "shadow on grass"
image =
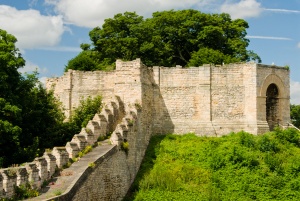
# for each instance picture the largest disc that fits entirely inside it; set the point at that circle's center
(146, 166)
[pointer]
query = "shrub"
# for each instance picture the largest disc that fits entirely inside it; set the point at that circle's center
(92, 165)
(125, 146)
(246, 139)
(84, 112)
(239, 166)
(87, 149)
(266, 144)
(24, 192)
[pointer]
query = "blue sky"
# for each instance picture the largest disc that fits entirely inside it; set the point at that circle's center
(50, 32)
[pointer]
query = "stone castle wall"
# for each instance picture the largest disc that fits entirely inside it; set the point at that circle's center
(206, 100)
(140, 101)
(114, 168)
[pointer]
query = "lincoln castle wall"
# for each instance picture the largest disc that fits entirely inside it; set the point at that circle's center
(140, 101)
(206, 100)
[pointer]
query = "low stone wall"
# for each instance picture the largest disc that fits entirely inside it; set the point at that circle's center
(114, 166)
(42, 168)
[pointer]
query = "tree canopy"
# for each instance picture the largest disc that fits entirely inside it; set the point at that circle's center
(184, 37)
(28, 113)
(31, 118)
(295, 115)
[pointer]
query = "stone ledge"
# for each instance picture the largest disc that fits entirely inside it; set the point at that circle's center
(72, 177)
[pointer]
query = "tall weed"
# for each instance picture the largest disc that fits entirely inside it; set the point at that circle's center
(239, 166)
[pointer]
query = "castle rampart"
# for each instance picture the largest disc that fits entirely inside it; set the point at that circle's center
(140, 101)
(206, 100)
(113, 169)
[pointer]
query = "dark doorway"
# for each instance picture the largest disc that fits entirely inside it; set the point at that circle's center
(272, 106)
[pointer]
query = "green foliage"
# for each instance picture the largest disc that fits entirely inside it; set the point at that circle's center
(24, 191)
(208, 56)
(31, 118)
(287, 67)
(295, 115)
(183, 37)
(87, 149)
(28, 113)
(80, 116)
(84, 112)
(87, 61)
(57, 192)
(67, 165)
(10, 61)
(92, 165)
(125, 146)
(239, 166)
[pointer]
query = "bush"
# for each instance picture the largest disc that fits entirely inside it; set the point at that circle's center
(239, 166)
(84, 112)
(24, 192)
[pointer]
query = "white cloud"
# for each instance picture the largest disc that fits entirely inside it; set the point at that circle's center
(30, 27)
(61, 49)
(242, 9)
(282, 10)
(298, 45)
(43, 80)
(91, 13)
(269, 37)
(295, 92)
(30, 67)
(32, 2)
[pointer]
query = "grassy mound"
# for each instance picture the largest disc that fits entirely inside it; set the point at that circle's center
(239, 166)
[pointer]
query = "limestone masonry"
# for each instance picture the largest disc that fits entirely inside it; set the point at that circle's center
(206, 100)
(139, 102)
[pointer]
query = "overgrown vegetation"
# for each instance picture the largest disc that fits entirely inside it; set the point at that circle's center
(125, 147)
(31, 119)
(239, 166)
(86, 110)
(28, 113)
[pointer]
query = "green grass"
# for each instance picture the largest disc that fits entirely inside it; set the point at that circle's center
(239, 166)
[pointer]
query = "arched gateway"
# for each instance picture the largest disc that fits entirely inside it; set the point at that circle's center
(275, 98)
(272, 103)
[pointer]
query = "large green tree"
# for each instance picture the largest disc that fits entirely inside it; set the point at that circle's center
(295, 115)
(31, 119)
(10, 85)
(28, 113)
(184, 37)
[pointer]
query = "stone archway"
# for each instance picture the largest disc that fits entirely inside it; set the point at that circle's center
(272, 106)
(273, 102)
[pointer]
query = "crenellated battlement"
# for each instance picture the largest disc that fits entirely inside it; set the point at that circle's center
(43, 168)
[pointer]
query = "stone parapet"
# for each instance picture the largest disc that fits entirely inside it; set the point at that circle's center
(73, 149)
(51, 163)
(33, 175)
(61, 155)
(43, 168)
(22, 176)
(9, 180)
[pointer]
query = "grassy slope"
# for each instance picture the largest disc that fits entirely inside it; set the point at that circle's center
(239, 166)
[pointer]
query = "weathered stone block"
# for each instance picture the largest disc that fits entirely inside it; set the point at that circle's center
(51, 163)
(80, 140)
(61, 155)
(33, 175)
(73, 149)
